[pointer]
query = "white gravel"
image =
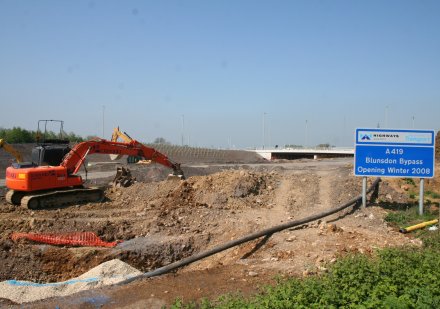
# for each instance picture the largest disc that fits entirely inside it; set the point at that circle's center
(107, 273)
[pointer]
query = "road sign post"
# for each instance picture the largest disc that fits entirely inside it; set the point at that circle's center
(395, 153)
(364, 192)
(421, 195)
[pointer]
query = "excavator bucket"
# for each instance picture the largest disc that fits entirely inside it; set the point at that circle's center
(177, 173)
(114, 157)
(175, 177)
(123, 177)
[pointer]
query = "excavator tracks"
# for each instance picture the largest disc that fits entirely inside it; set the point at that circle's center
(14, 197)
(60, 198)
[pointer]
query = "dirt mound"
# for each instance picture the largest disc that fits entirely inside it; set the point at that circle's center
(223, 190)
(230, 190)
(44, 263)
(104, 274)
(194, 204)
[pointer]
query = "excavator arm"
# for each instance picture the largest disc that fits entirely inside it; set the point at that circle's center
(14, 152)
(75, 158)
(119, 134)
(127, 139)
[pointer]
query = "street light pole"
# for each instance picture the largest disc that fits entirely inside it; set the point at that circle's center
(305, 136)
(264, 129)
(183, 128)
(386, 116)
(103, 120)
(269, 129)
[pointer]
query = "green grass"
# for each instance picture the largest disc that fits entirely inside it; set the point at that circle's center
(394, 278)
(409, 217)
(409, 181)
(432, 194)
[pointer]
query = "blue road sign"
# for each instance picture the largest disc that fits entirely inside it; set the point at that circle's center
(394, 153)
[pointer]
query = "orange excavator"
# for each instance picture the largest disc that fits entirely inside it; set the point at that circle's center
(45, 186)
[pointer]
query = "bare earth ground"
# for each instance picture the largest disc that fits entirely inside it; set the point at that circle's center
(163, 221)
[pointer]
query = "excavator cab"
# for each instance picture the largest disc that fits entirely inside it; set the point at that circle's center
(49, 154)
(51, 147)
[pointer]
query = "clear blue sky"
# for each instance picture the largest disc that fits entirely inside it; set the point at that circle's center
(219, 66)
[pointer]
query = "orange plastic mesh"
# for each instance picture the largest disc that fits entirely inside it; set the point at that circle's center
(73, 239)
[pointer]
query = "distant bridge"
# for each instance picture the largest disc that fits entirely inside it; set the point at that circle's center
(298, 153)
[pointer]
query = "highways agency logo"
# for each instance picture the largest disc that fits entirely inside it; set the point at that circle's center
(392, 136)
(365, 137)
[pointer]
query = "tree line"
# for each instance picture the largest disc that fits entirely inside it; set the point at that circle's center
(18, 135)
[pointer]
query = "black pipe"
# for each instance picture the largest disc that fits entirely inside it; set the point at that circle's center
(191, 259)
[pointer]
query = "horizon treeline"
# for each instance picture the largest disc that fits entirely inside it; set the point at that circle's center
(18, 135)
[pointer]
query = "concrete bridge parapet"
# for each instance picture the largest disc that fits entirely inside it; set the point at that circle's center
(313, 153)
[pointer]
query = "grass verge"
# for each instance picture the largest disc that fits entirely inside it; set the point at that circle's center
(393, 278)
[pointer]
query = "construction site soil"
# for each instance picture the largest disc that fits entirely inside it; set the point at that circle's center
(159, 221)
